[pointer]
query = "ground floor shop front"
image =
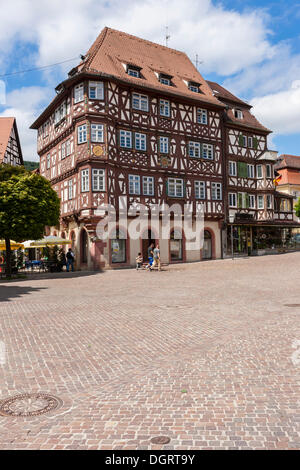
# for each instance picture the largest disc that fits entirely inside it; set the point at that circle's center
(251, 240)
(120, 250)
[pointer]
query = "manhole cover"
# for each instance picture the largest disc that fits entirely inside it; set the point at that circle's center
(160, 440)
(29, 404)
(292, 305)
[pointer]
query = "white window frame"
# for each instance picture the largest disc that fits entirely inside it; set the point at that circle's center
(140, 102)
(134, 184)
(232, 200)
(60, 112)
(82, 134)
(260, 198)
(85, 180)
(70, 189)
(164, 108)
(251, 201)
(97, 133)
(232, 170)
(177, 185)
(125, 139)
(68, 147)
(250, 142)
(269, 170)
(250, 171)
(140, 141)
(48, 159)
(238, 114)
(207, 151)
(269, 202)
(193, 88)
(216, 191)
(148, 185)
(133, 72)
(98, 179)
(202, 116)
(195, 149)
(163, 144)
(245, 141)
(259, 169)
(97, 90)
(165, 81)
(200, 189)
(78, 93)
(63, 150)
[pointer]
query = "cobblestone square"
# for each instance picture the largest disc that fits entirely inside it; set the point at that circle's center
(206, 354)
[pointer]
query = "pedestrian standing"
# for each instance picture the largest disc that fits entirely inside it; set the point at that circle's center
(70, 260)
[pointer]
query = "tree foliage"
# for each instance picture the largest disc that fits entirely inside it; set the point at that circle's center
(27, 204)
(297, 208)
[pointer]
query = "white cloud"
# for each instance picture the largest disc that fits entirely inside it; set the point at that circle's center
(280, 111)
(226, 40)
(25, 104)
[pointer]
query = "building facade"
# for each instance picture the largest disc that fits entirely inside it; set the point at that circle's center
(259, 218)
(288, 168)
(136, 122)
(10, 148)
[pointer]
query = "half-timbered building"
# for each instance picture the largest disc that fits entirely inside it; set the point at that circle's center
(261, 216)
(10, 148)
(135, 120)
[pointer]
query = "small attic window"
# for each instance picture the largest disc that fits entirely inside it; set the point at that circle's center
(134, 71)
(193, 86)
(238, 114)
(165, 79)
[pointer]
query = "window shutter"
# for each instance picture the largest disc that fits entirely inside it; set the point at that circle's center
(240, 200)
(167, 187)
(255, 143)
(184, 188)
(247, 201)
(242, 170)
(241, 142)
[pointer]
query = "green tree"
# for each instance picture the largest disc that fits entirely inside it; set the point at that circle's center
(297, 208)
(27, 205)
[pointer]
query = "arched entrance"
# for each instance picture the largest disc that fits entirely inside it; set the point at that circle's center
(207, 245)
(84, 246)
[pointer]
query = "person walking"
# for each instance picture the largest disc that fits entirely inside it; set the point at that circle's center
(150, 255)
(156, 258)
(70, 260)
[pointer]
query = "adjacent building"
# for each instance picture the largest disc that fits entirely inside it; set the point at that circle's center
(258, 217)
(288, 168)
(10, 148)
(136, 120)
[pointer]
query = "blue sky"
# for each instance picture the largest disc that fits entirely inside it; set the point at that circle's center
(251, 47)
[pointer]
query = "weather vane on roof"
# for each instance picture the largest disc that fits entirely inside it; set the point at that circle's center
(167, 37)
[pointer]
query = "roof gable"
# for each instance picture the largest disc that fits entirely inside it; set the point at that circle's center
(8, 130)
(113, 49)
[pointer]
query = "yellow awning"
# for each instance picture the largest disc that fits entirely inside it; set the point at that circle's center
(14, 245)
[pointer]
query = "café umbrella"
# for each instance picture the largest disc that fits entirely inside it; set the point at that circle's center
(51, 240)
(13, 245)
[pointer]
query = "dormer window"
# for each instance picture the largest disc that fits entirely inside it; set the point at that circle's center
(134, 71)
(165, 79)
(193, 86)
(238, 114)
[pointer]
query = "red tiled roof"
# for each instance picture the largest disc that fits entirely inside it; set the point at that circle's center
(221, 93)
(113, 48)
(226, 97)
(6, 125)
(288, 161)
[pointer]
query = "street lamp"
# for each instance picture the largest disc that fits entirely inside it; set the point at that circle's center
(231, 221)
